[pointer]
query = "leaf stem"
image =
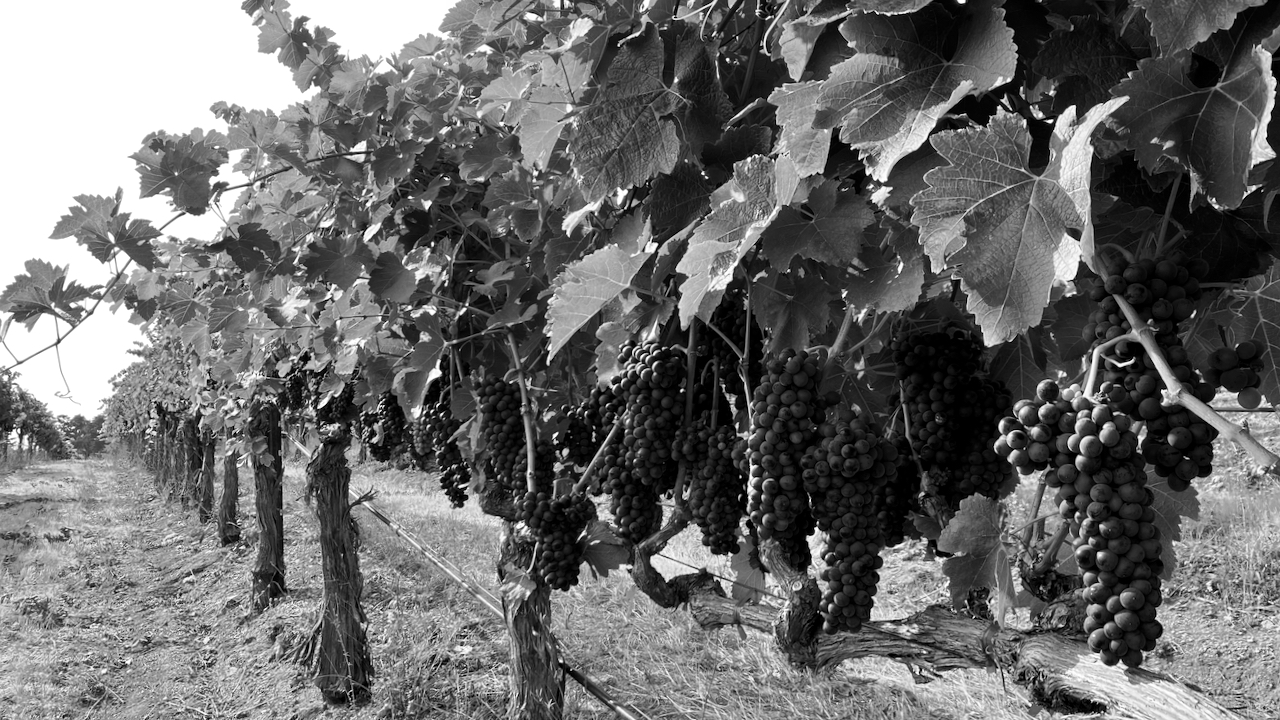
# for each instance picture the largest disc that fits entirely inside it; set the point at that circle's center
(1050, 557)
(526, 413)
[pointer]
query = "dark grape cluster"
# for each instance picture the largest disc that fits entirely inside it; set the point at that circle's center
(558, 523)
(332, 408)
(1162, 294)
(296, 394)
(717, 487)
(786, 410)
(384, 429)
(577, 441)
(952, 411)
(841, 476)
(1029, 438)
(1103, 490)
(433, 439)
(640, 464)
(896, 499)
(1239, 370)
(502, 431)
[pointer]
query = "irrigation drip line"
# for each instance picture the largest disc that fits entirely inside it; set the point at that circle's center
(752, 588)
(487, 598)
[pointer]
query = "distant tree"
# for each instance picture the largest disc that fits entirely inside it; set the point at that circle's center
(84, 435)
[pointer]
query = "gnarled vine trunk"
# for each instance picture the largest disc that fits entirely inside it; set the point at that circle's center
(268, 478)
(191, 459)
(537, 680)
(344, 670)
(228, 524)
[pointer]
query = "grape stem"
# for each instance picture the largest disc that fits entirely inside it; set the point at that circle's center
(598, 459)
(1029, 528)
(1050, 557)
(1178, 395)
(1128, 256)
(841, 337)
(732, 345)
(691, 367)
(526, 413)
(1095, 360)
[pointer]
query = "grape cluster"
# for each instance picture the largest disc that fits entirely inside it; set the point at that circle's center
(1029, 438)
(841, 476)
(558, 523)
(1238, 370)
(433, 439)
(786, 410)
(332, 408)
(640, 464)
(383, 429)
(1103, 490)
(1162, 294)
(502, 431)
(952, 411)
(577, 441)
(896, 499)
(717, 488)
(296, 394)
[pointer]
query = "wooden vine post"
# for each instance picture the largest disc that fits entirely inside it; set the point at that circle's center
(268, 478)
(204, 489)
(344, 669)
(228, 525)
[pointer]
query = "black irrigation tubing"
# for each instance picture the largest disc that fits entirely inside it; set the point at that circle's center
(486, 598)
(763, 591)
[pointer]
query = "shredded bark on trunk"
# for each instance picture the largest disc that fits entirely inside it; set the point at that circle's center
(537, 680)
(344, 670)
(228, 524)
(268, 477)
(204, 490)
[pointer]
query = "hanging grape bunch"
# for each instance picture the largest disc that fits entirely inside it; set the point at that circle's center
(1239, 370)
(577, 441)
(1161, 294)
(558, 523)
(841, 476)
(640, 464)
(296, 395)
(952, 411)
(429, 424)
(786, 410)
(433, 439)
(895, 500)
(717, 488)
(502, 431)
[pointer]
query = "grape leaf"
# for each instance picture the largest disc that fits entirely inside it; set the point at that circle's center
(542, 124)
(181, 167)
(725, 236)
(1260, 320)
(250, 246)
(44, 290)
(1183, 24)
(792, 308)
(677, 198)
(1218, 133)
(981, 560)
(1071, 315)
(1083, 62)
(181, 304)
(799, 36)
(905, 181)
(697, 81)
(603, 551)
(626, 135)
(1005, 225)
(390, 280)
(1021, 363)
(339, 259)
(102, 229)
(587, 285)
(888, 7)
(806, 145)
(889, 283)
(831, 232)
(1170, 507)
(888, 97)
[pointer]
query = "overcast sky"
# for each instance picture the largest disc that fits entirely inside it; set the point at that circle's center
(97, 78)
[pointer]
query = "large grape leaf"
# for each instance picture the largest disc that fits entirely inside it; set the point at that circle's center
(696, 80)
(1170, 507)
(791, 308)
(1003, 224)
(799, 36)
(1021, 363)
(832, 231)
(1217, 133)
(339, 259)
(748, 204)
(44, 290)
(1082, 63)
(541, 125)
(888, 97)
(626, 135)
(589, 284)
(980, 559)
(1260, 320)
(888, 283)
(102, 229)
(797, 107)
(1182, 24)
(181, 167)
(678, 198)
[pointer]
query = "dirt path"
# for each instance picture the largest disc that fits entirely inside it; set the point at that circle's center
(114, 605)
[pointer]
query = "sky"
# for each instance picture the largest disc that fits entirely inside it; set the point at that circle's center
(98, 77)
